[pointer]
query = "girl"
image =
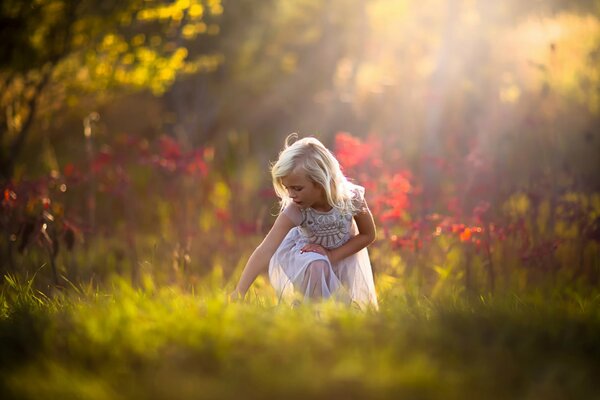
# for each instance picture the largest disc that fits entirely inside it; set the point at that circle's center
(317, 246)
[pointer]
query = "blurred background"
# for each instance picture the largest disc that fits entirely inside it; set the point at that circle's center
(136, 135)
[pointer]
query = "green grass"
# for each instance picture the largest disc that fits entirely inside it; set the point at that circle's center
(166, 343)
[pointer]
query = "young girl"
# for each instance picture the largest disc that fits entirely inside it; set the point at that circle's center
(317, 246)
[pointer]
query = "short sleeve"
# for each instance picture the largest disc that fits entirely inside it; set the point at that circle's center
(293, 213)
(358, 200)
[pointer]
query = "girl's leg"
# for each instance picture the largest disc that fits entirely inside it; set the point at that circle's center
(316, 278)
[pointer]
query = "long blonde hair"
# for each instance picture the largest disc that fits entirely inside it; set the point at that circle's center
(320, 166)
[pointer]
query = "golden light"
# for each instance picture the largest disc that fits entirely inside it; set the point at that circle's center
(421, 63)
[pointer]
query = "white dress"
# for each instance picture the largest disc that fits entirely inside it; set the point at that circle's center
(293, 274)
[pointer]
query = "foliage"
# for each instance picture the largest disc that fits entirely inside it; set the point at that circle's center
(79, 47)
(475, 138)
(34, 211)
(472, 125)
(511, 239)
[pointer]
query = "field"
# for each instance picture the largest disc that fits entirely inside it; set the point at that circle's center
(136, 142)
(167, 343)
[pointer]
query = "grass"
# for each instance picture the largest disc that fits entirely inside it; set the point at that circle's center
(167, 343)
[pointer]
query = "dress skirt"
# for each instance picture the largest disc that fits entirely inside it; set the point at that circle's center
(305, 276)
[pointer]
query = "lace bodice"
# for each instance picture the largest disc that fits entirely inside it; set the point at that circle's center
(329, 229)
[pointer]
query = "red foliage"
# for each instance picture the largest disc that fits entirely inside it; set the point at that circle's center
(10, 198)
(171, 158)
(351, 152)
(393, 191)
(33, 216)
(195, 163)
(395, 199)
(69, 170)
(388, 188)
(101, 160)
(223, 215)
(169, 147)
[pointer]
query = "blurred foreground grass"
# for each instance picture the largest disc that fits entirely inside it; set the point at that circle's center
(168, 343)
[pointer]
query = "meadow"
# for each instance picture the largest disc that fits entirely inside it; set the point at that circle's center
(135, 144)
(171, 343)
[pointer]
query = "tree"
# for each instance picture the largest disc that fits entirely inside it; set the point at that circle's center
(82, 46)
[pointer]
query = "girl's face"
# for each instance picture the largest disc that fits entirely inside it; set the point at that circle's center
(304, 192)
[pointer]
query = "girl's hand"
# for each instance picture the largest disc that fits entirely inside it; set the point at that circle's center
(315, 248)
(235, 297)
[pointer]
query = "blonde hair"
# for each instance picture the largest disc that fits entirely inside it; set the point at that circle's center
(320, 166)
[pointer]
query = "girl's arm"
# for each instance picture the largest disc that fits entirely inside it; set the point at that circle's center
(259, 260)
(366, 236)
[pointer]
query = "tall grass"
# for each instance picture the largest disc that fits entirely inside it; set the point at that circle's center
(169, 343)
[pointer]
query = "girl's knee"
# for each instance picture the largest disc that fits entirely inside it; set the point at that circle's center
(318, 268)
